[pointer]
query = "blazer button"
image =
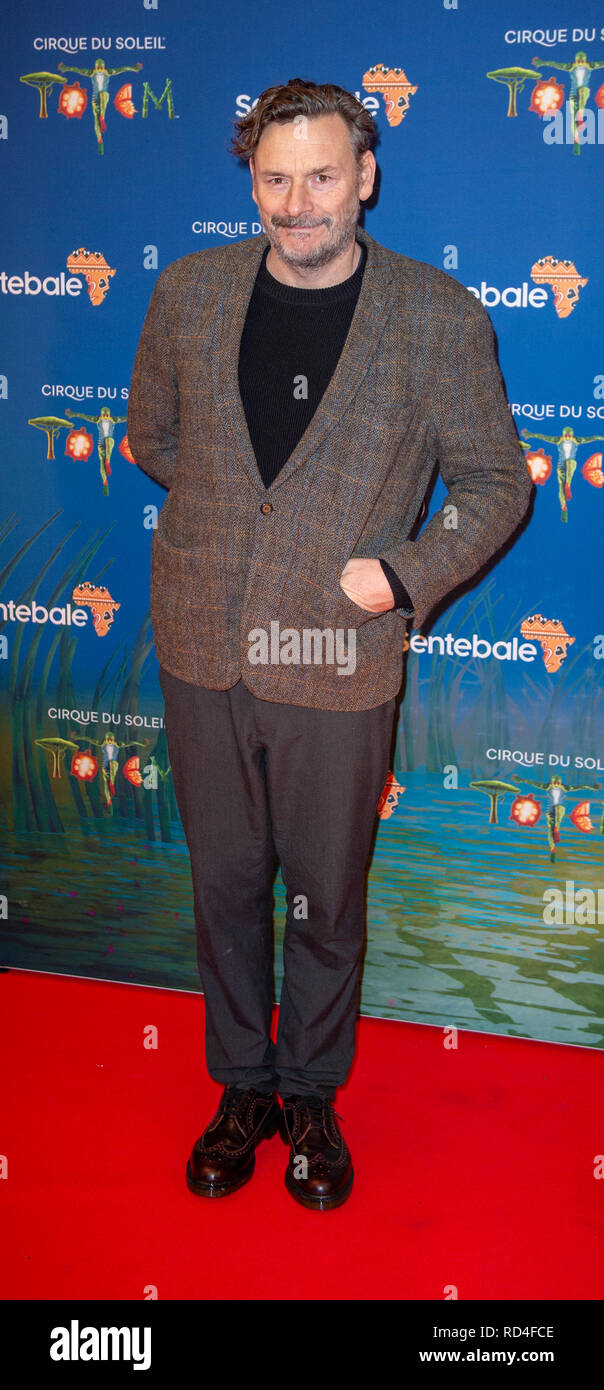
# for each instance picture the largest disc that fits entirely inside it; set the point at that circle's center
(266, 508)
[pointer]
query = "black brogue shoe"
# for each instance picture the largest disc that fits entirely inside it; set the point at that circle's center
(223, 1159)
(319, 1173)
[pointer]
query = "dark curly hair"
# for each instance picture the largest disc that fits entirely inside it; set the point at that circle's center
(301, 98)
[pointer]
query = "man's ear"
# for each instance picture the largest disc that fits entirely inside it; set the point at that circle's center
(253, 174)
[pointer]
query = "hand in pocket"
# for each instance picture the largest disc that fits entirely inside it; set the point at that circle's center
(365, 584)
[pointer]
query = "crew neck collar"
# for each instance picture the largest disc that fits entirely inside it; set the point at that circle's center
(294, 294)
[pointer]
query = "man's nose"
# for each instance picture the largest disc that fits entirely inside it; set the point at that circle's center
(298, 200)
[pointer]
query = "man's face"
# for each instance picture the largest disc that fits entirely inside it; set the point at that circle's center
(307, 187)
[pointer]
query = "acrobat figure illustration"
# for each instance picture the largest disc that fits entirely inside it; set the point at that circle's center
(110, 748)
(99, 76)
(568, 443)
(105, 423)
(556, 791)
(580, 74)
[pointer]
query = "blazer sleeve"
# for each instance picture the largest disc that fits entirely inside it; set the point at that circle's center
(153, 398)
(399, 592)
(481, 463)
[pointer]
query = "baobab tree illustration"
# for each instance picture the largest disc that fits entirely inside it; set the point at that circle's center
(52, 426)
(495, 789)
(514, 79)
(44, 83)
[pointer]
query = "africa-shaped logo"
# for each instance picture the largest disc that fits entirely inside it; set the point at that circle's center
(388, 801)
(100, 602)
(97, 274)
(552, 637)
(394, 87)
(564, 280)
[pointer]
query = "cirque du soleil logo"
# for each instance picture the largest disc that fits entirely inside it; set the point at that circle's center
(580, 125)
(79, 443)
(73, 98)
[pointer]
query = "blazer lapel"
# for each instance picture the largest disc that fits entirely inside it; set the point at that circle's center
(372, 308)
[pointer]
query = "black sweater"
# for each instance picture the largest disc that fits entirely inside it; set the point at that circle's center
(290, 346)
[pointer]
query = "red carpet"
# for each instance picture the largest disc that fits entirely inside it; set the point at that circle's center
(474, 1167)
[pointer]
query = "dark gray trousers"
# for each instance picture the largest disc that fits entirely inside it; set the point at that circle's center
(259, 783)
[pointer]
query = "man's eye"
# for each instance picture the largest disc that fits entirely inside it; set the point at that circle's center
(277, 178)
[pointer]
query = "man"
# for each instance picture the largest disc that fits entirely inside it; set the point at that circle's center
(293, 392)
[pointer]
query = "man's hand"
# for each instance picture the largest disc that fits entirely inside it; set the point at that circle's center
(365, 583)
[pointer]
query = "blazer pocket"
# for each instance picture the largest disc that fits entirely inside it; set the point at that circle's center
(335, 609)
(178, 592)
(163, 538)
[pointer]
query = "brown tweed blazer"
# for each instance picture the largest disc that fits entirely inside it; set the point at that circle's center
(417, 381)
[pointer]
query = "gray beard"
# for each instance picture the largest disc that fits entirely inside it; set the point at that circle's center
(316, 256)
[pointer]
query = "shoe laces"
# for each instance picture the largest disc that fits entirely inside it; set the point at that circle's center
(314, 1105)
(232, 1101)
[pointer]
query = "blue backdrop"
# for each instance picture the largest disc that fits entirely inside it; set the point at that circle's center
(485, 904)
